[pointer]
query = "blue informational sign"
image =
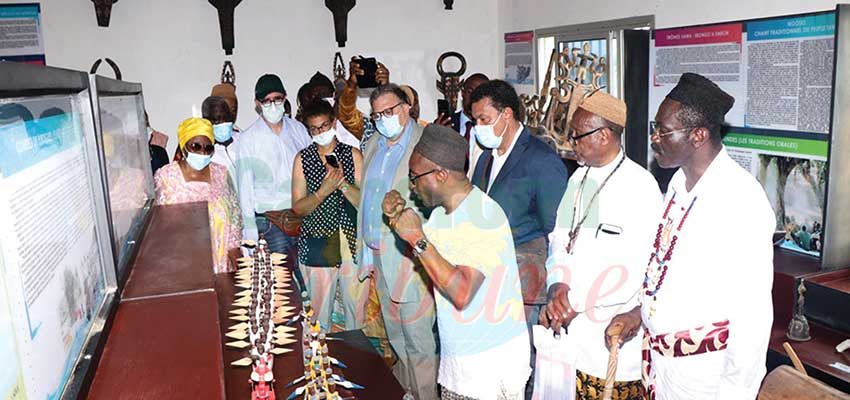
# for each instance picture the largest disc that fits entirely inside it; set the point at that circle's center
(791, 28)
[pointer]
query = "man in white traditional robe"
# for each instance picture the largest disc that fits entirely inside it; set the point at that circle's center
(598, 248)
(706, 310)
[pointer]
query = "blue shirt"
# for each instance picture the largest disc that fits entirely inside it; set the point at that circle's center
(380, 174)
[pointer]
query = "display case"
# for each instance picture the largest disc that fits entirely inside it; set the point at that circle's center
(57, 268)
(120, 120)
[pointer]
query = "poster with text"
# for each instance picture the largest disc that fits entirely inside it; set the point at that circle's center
(780, 71)
(21, 37)
(53, 269)
(519, 60)
(791, 166)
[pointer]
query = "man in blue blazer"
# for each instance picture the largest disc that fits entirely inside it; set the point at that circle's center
(525, 176)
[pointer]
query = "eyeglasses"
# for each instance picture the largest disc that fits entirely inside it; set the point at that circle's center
(200, 148)
(386, 112)
(654, 130)
(573, 138)
(276, 100)
(320, 129)
(413, 178)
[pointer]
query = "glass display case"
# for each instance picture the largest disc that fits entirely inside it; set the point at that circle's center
(57, 271)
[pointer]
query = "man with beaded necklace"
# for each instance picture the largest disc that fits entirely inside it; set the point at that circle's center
(595, 262)
(706, 311)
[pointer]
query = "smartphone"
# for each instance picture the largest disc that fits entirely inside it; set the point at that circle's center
(370, 68)
(332, 161)
(443, 107)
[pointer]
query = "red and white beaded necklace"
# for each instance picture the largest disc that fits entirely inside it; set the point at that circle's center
(664, 243)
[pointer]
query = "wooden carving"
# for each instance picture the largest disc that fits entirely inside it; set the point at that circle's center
(111, 63)
(228, 73)
(225, 22)
(449, 4)
(450, 83)
(572, 75)
(340, 9)
(103, 10)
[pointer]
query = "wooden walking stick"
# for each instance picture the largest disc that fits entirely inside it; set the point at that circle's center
(613, 333)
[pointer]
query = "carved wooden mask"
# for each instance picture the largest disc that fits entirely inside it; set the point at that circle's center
(340, 9)
(225, 22)
(103, 10)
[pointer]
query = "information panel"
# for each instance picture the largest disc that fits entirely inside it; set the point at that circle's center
(780, 72)
(21, 34)
(52, 266)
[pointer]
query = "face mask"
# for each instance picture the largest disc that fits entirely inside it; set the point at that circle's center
(273, 113)
(324, 139)
(389, 127)
(197, 161)
(330, 100)
(487, 137)
(223, 132)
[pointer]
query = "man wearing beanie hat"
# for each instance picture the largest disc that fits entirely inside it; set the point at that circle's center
(706, 312)
(265, 157)
(605, 224)
(466, 248)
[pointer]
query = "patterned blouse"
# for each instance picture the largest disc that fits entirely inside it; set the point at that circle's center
(225, 217)
(334, 213)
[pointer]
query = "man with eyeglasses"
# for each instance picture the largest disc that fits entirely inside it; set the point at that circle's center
(526, 177)
(467, 250)
(406, 303)
(706, 311)
(265, 157)
(595, 266)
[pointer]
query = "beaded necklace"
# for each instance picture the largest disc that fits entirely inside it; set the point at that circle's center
(664, 243)
(575, 229)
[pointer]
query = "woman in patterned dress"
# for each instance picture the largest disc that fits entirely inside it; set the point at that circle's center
(194, 179)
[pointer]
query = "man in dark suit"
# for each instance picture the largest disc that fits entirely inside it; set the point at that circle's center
(525, 176)
(462, 121)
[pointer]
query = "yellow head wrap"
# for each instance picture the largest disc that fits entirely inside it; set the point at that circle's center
(194, 127)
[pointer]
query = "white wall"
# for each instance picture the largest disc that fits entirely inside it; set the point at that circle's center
(173, 47)
(534, 14)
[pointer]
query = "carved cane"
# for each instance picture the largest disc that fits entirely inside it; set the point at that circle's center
(613, 332)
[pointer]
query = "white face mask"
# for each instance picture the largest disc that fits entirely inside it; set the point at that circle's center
(389, 127)
(325, 138)
(487, 136)
(273, 113)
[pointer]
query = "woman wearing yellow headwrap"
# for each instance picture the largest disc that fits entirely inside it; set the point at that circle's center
(194, 178)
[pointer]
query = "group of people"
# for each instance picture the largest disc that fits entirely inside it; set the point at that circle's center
(510, 239)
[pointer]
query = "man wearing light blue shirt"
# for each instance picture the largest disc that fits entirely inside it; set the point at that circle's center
(265, 157)
(406, 303)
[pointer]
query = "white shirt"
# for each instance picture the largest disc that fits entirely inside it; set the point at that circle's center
(721, 268)
(499, 160)
(608, 259)
(344, 136)
(491, 330)
(264, 169)
(226, 156)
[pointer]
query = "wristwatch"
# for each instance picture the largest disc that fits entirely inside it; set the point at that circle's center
(420, 246)
(343, 188)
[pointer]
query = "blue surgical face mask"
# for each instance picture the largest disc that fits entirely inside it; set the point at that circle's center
(273, 113)
(223, 132)
(198, 161)
(487, 136)
(389, 127)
